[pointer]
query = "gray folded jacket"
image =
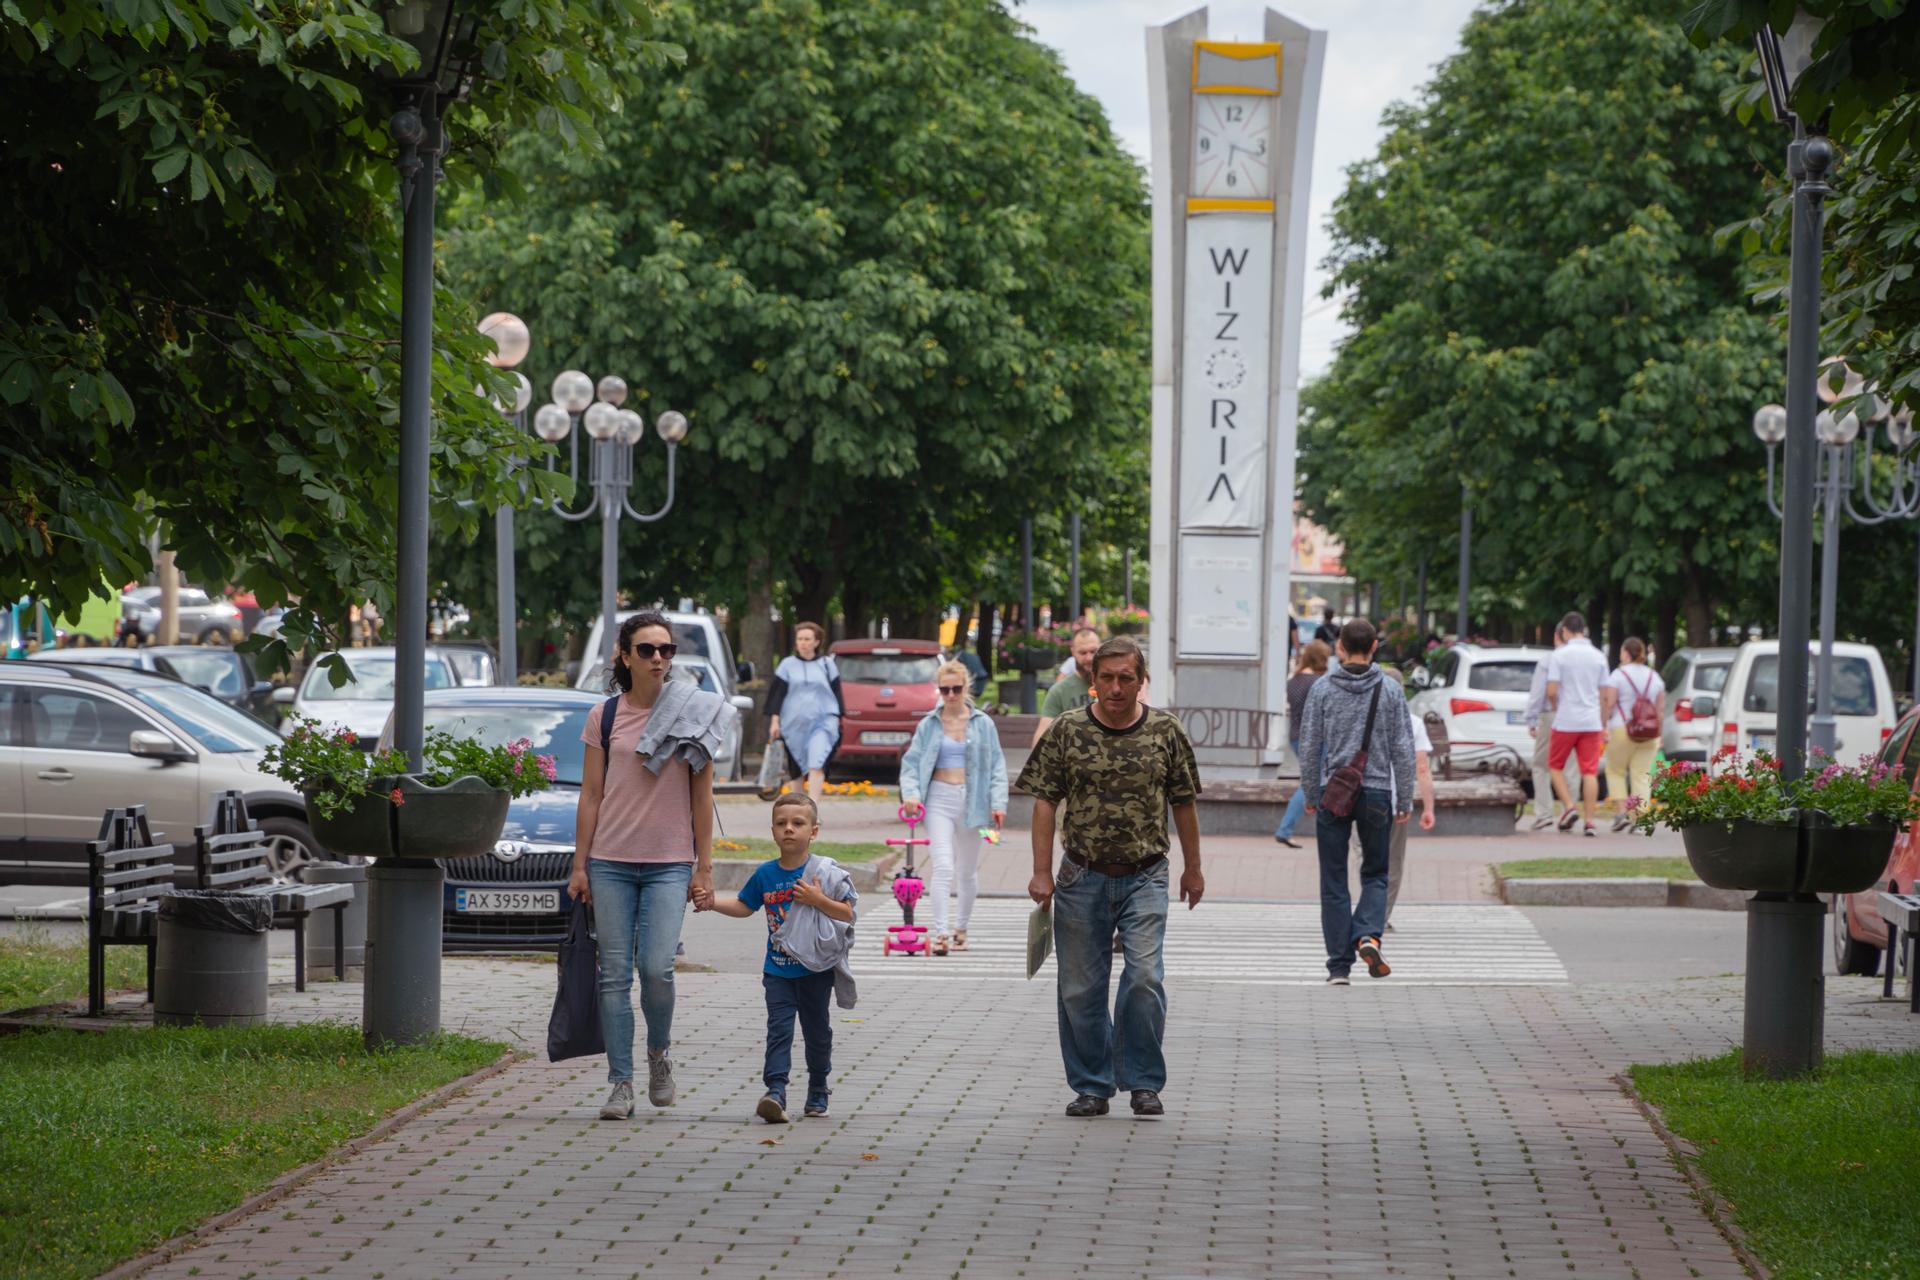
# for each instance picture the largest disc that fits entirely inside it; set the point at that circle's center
(688, 723)
(816, 939)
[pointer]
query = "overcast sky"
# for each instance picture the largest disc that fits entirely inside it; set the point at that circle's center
(1378, 51)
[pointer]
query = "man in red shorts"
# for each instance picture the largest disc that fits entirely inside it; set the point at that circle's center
(1575, 673)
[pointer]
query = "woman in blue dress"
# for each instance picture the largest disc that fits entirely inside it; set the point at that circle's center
(805, 705)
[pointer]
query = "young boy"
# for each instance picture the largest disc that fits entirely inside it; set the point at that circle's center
(791, 987)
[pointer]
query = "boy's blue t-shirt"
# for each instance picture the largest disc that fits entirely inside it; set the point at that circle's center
(770, 887)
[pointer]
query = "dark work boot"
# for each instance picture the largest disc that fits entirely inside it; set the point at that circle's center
(1146, 1102)
(1087, 1105)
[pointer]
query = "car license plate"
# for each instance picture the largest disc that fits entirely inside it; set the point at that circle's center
(1516, 717)
(507, 902)
(884, 739)
(1760, 742)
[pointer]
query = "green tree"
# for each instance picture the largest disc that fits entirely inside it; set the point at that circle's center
(200, 308)
(1542, 313)
(891, 264)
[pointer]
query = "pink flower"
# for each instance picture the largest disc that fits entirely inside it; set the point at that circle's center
(1633, 803)
(395, 796)
(548, 767)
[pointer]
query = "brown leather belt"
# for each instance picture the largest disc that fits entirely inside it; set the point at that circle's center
(1116, 868)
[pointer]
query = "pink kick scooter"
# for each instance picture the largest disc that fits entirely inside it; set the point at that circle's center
(907, 890)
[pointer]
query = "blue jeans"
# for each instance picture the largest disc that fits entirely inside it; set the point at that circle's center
(809, 997)
(1296, 806)
(1342, 924)
(637, 910)
(1120, 1050)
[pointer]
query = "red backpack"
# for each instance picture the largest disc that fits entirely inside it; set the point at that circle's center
(1643, 719)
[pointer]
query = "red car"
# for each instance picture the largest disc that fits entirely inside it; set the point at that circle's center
(1859, 934)
(888, 688)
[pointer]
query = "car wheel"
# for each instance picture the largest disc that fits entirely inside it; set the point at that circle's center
(290, 846)
(1850, 955)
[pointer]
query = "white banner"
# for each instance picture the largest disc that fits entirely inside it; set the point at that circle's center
(1224, 372)
(1220, 595)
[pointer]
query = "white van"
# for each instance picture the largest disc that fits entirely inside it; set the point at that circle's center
(1863, 710)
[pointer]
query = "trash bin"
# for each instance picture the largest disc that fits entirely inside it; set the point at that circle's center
(320, 924)
(210, 959)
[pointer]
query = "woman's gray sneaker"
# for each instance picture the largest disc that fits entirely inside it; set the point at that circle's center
(619, 1102)
(659, 1079)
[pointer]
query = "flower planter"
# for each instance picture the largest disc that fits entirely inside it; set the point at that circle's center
(1036, 659)
(1129, 628)
(460, 820)
(1844, 859)
(1760, 857)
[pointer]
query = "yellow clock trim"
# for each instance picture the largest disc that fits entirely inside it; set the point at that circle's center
(1265, 82)
(1200, 204)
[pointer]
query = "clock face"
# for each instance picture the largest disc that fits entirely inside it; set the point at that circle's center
(1232, 144)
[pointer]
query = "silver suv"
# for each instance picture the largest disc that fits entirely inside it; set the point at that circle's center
(78, 740)
(1695, 679)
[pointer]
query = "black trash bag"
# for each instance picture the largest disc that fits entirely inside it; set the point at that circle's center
(574, 1029)
(218, 910)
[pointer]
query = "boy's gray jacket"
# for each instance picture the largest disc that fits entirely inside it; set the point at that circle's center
(816, 939)
(687, 722)
(1334, 722)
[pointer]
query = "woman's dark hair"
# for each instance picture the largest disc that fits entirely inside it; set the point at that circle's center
(619, 679)
(1636, 648)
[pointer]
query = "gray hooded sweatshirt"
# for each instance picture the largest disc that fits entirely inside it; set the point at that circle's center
(1335, 721)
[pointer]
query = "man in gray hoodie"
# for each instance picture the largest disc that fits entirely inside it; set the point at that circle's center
(1333, 729)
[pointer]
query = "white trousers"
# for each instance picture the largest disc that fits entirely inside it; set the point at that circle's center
(954, 847)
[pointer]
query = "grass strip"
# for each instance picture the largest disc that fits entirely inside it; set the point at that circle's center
(1819, 1172)
(115, 1141)
(761, 847)
(1592, 868)
(35, 970)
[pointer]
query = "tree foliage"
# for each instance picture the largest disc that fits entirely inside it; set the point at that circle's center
(1543, 315)
(892, 265)
(200, 308)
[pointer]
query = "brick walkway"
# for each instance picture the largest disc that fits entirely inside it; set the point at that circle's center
(1311, 1132)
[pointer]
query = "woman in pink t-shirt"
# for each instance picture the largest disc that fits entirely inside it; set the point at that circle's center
(643, 848)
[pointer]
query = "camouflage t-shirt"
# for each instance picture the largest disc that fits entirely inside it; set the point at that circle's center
(1114, 784)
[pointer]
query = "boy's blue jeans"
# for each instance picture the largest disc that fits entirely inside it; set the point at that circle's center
(1341, 924)
(810, 998)
(637, 910)
(1119, 1050)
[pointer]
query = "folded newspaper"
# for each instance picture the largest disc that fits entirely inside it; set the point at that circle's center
(1039, 938)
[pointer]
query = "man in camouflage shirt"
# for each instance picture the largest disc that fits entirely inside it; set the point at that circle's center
(1118, 767)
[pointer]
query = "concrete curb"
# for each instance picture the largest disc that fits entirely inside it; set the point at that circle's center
(1619, 891)
(291, 1180)
(1685, 1162)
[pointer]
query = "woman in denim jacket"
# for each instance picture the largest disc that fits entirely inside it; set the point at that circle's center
(954, 773)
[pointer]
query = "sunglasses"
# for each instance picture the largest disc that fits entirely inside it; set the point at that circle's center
(950, 690)
(645, 651)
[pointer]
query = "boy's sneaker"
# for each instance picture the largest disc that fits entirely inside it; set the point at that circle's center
(1339, 980)
(659, 1078)
(816, 1108)
(1369, 950)
(772, 1109)
(619, 1102)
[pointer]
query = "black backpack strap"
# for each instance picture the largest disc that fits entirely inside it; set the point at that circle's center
(609, 711)
(1366, 739)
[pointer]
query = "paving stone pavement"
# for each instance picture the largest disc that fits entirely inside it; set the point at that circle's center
(1378, 1130)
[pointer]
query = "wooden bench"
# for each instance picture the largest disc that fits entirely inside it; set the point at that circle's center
(1902, 911)
(127, 874)
(229, 854)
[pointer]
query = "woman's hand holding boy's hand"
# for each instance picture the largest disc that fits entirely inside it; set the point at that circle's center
(700, 891)
(808, 893)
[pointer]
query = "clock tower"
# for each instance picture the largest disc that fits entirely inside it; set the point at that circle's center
(1232, 152)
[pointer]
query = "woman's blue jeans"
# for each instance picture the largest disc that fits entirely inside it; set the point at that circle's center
(1296, 804)
(637, 910)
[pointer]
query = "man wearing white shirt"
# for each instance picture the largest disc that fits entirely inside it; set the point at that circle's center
(1423, 787)
(1575, 673)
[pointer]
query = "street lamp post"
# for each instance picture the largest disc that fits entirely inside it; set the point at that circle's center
(614, 431)
(1028, 700)
(1466, 561)
(511, 342)
(1073, 574)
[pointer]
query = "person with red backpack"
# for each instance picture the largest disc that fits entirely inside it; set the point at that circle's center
(1632, 702)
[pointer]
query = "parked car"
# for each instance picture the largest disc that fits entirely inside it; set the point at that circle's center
(1480, 695)
(79, 739)
(1859, 932)
(363, 703)
(222, 672)
(888, 687)
(472, 663)
(699, 635)
(513, 898)
(1862, 698)
(205, 619)
(1695, 679)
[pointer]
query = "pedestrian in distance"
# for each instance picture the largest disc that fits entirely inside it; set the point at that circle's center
(643, 849)
(804, 706)
(786, 888)
(954, 774)
(1575, 673)
(1356, 744)
(1632, 701)
(1539, 718)
(1328, 632)
(1313, 664)
(1074, 688)
(1423, 789)
(1118, 768)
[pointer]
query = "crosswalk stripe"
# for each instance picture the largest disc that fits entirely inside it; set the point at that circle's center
(1261, 944)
